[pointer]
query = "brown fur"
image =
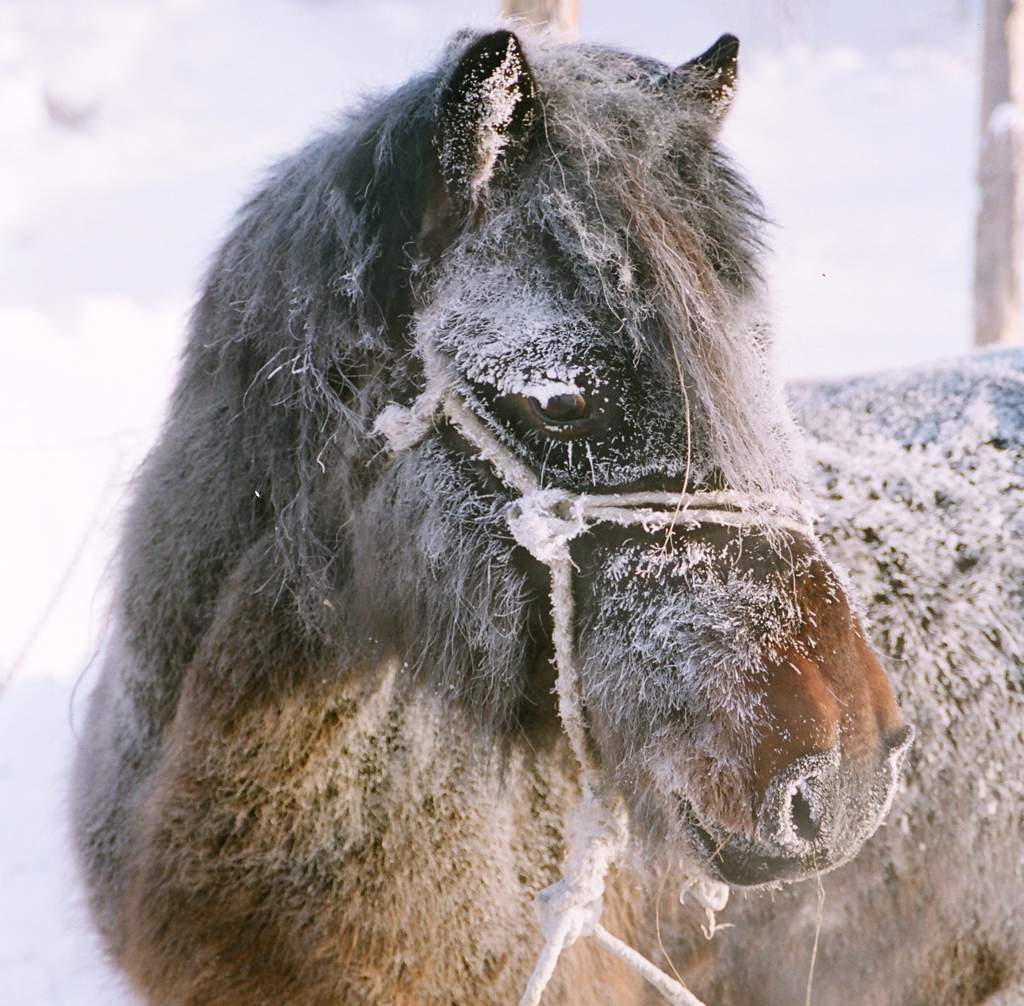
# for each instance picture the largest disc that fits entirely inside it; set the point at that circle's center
(288, 855)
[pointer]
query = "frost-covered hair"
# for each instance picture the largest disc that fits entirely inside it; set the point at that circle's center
(629, 227)
(558, 229)
(626, 246)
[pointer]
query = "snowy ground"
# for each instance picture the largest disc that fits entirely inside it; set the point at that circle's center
(856, 121)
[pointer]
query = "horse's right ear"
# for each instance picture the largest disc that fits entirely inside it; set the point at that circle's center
(487, 115)
(710, 77)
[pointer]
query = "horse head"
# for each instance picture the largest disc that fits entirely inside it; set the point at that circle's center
(587, 291)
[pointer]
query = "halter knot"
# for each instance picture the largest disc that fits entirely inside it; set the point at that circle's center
(544, 521)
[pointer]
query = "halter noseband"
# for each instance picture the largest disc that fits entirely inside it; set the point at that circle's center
(544, 522)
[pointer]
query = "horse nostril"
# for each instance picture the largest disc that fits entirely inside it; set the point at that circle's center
(802, 816)
(800, 803)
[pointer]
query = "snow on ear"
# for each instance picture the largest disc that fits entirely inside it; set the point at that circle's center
(488, 110)
(710, 77)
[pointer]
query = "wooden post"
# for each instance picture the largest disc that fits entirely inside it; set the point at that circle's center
(562, 16)
(999, 255)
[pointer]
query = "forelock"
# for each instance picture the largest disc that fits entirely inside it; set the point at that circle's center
(652, 225)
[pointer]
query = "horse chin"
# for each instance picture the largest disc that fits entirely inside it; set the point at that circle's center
(740, 861)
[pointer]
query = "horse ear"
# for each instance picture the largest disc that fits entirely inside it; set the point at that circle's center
(711, 76)
(487, 115)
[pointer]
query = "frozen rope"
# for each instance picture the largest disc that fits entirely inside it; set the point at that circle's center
(544, 522)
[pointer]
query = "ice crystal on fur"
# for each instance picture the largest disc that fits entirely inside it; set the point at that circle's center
(659, 236)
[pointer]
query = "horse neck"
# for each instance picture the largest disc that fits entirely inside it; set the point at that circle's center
(445, 842)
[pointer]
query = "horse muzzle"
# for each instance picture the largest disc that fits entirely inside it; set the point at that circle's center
(813, 816)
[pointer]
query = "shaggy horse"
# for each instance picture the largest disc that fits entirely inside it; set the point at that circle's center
(478, 402)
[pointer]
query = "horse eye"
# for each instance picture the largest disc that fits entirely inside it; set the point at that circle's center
(562, 408)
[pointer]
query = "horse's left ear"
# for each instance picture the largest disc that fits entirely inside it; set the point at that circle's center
(488, 113)
(711, 76)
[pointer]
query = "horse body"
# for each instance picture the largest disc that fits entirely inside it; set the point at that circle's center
(323, 764)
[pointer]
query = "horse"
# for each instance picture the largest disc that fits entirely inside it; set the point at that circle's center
(478, 496)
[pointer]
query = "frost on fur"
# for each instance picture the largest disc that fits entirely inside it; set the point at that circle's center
(318, 510)
(487, 108)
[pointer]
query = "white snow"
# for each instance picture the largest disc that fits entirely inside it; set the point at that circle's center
(858, 128)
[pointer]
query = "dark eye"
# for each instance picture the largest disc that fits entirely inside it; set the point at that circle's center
(566, 416)
(562, 408)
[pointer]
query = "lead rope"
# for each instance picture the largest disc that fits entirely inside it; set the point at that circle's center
(544, 522)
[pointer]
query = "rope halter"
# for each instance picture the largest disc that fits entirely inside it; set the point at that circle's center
(544, 522)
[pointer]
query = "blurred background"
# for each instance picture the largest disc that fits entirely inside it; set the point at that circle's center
(131, 131)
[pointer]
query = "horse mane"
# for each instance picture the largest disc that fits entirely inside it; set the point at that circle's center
(279, 371)
(302, 334)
